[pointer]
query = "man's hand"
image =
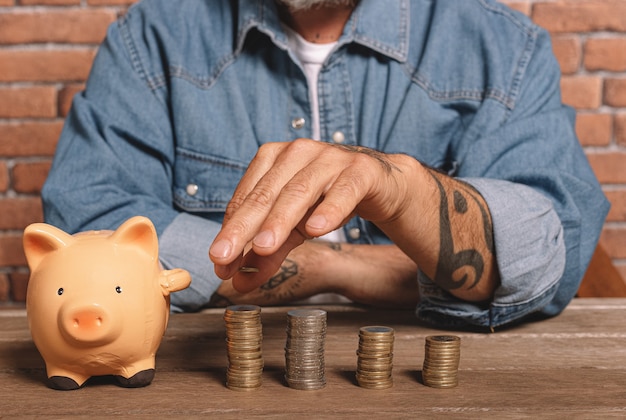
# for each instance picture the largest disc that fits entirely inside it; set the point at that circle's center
(301, 190)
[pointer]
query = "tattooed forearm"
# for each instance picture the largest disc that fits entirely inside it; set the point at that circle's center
(452, 263)
(487, 224)
(288, 269)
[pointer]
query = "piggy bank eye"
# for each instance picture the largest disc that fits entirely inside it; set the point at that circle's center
(60, 291)
(118, 289)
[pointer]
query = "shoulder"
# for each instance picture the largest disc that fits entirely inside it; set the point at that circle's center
(471, 48)
(186, 36)
(180, 15)
(479, 14)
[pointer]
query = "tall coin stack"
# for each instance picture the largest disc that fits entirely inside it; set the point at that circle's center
(304, 349)
(244, 337)
(441, 361)
(375, 357)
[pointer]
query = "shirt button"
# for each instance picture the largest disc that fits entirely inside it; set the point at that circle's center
(298, 123)
(354, 233)
(192, 189)
(338, 137)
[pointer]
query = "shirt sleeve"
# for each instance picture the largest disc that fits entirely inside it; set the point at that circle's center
(185, 243)
(115, 156)
(547, 207)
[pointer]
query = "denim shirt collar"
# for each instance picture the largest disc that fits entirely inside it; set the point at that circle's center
(382, 26)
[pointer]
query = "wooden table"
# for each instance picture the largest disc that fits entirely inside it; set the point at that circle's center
(572, 366)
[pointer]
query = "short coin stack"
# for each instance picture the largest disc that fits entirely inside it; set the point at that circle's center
(244, 337)
(375, 357)
(441, 361)
(304, 349)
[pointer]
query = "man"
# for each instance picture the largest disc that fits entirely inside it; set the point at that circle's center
(427, 140)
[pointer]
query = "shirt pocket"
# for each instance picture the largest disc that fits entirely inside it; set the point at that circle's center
(203, 182)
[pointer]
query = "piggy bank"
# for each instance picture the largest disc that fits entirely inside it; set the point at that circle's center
(98, 302)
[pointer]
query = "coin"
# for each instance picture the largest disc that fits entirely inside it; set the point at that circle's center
(248, 269)
(304, 349)
(442, 354)
(244, 336)
(375, 357)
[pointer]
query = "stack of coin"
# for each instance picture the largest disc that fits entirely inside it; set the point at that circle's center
(375, 357)
(441, 361)
(304, 349)
(244, 336)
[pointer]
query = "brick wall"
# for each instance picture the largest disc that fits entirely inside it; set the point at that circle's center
(46, 48)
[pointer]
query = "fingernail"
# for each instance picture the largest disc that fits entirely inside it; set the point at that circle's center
(264, 239)
(317, 222)
(221, 249)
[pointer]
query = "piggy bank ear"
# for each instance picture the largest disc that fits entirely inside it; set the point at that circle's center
(138, 231)
(40, 239)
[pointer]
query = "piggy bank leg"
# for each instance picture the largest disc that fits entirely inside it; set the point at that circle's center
(62, 383)
(138, 380)
(64, 380)
(138, 374)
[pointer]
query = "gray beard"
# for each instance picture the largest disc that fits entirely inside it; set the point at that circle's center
(298, 5)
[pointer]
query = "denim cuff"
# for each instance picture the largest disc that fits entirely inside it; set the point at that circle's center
(185, 243)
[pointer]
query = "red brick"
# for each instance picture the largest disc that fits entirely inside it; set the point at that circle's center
(45, 65)
(581, 15)
(615, 92)
(594, 129)
(11, 250)
(7, 2)
(66, 95)
(609, 167)
(5, 287)
(110, 2)
(17, 213)
(520, 6)
(568, 53)
(66, 26)
(29, 177)
(582, 92)
(617, 197)
(19, 286)
(614, 241)
(49, 2)
(605, 54)
(621, 267)
(28, 102)
(29, 138)
(620, 129)
(4, 177)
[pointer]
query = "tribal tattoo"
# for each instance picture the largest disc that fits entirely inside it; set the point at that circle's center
(277, 286)
(449, 260)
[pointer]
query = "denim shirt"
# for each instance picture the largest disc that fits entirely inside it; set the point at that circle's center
(182, 94)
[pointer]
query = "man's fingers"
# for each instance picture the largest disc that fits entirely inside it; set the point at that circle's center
(252, 201)
(262, 162)
(245, 282)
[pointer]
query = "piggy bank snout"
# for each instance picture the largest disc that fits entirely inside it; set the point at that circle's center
(88, 324)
